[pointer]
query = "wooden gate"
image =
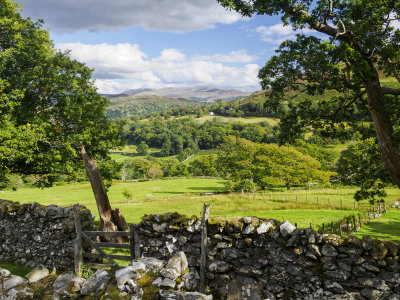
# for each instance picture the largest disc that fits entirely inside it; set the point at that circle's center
(80, 255)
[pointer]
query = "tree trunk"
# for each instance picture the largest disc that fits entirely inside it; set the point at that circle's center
(110, 220)
(387, 142)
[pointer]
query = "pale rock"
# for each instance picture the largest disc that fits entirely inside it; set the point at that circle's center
(160, 227)
(77, 283)
(264, 227)
(95, 283)
(168, 283)
(249, 229)
(158, 281)
(247, 220)
(62, 282)
(150, 262)
(4, 273)
(13, 281)
(175, 266)
(218, 266)
(37, 274)
(196, 296)
(287, 228)
(130, 272)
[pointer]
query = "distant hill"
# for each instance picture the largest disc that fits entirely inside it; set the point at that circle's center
(124, 105)
(198, 93)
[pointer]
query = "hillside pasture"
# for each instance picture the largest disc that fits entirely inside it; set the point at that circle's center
(186, 196)
(247, 120)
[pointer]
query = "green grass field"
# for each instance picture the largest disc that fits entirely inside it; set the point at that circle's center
(247, 120)
(185, 196)
(386, 227)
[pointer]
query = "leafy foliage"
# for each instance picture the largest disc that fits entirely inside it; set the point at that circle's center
(269, 165)
(347, 64)
(48, 102)
(177, 135)
(144, 106)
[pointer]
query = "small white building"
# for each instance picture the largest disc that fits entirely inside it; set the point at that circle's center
(211, 113)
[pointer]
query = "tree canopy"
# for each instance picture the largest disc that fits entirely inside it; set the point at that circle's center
(356, 45)
(268, 165)
(49, 104)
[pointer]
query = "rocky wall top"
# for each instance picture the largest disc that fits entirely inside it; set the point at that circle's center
(252, 258)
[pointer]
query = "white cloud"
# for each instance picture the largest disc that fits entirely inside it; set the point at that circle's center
(236, 56)
(100, 15)
(124, 66)
(278, 33)
(395, 24)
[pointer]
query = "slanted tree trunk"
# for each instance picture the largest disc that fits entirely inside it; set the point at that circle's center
(387, 141)
(110, 220)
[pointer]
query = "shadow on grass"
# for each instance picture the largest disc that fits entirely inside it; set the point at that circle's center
(207, 189)
(383, 230)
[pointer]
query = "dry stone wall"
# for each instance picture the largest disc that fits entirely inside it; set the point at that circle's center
(252, 258)
(33, 234)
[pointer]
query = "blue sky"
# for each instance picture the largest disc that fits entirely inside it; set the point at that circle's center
(159, 43)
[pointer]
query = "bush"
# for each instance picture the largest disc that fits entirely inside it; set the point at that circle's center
(245, 185)
(14, 181)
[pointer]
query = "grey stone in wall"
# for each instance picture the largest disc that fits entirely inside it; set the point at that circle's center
(33, 234)
(252, 258)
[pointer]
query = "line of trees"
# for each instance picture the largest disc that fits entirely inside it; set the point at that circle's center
(186, 135)
(245, 164)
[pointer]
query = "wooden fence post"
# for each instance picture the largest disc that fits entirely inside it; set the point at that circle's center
(203, 253)
(323, 227)
(137, 241)
(340, 228)
(329, 202)
(331, 227)
(341, 203)
(359, 220)
(373, 212)
(354, 222)
(354, 204)
(132, 241)
(78, 249)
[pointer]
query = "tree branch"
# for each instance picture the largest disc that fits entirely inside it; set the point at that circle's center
(324, 28)
(390, 91)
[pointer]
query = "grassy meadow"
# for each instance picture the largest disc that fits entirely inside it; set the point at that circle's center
(186, 197)
(247, 120)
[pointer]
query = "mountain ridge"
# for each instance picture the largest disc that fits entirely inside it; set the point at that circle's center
(203, 93)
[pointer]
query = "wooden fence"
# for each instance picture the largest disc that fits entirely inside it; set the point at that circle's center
(80, 255)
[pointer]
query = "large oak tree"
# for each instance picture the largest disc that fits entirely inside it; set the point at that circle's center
(355, 46)
(52, 118)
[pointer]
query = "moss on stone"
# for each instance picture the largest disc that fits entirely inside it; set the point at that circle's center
(334, 240)
(150, 291)
(113, 292)
(185, 271)
(378, 250)
(392, 247)
(217, 221)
